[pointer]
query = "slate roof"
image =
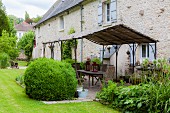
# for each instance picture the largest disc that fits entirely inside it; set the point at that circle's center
(24, 26)
(58, 7)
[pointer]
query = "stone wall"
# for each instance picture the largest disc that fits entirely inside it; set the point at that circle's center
(150, 17)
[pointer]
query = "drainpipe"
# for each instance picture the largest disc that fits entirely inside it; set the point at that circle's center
(81, 13)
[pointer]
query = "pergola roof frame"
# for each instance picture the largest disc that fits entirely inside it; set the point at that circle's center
(118, 35)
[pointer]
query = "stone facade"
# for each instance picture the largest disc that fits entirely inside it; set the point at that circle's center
(149, 17)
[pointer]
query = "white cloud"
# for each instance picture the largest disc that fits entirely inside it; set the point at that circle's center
(33, 7)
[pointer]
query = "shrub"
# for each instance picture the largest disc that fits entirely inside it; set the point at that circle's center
(20, 80)
(97, 60)
(46, 79)
(149, 97)
(71, 61)
(4, 60)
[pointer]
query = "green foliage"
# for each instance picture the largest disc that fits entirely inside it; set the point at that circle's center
(137, 98)
(68, 45)
(14, 100)
(97, 60)
(4, 60)
(27, 16)
(20, 80)
(8, 45)
(36, 19)
(3, 19)
(151, 96)
(14, 19)
(71, 61)
(47, 79)
(26, 43)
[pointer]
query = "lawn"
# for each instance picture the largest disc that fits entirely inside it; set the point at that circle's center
(22, 63)
(14, 100)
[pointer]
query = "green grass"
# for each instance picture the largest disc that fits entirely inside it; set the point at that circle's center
(22, 63)
(14, 100)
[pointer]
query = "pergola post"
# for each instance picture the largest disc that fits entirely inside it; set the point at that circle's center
(103, 55)
(52, 50)
(155, 50)
(75, 51)
(116, 61)
(133, 57)
(61, 49)
(44, 46)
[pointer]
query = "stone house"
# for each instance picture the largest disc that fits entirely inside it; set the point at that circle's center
(149, 18)
(23, 28)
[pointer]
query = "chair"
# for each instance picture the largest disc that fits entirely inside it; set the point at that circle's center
(109, 75)
(103, 68)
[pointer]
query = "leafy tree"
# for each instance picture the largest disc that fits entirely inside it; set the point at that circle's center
(12, 28)
(36, 19)
(26, 43)
(15, 19)
(27, 16)
(4, 22)
(8, 45)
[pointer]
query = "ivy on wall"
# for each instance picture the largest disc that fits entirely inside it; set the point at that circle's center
(68, 45)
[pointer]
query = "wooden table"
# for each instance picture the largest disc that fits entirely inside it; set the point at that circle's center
(91, 74)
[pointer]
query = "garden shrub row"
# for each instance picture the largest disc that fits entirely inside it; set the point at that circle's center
(47, 79)
(152, 95)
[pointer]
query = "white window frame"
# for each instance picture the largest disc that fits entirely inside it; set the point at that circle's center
(106, 12)
(62, 23)
(146, 50)
(150, 53)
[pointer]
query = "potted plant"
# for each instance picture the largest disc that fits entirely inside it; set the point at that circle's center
(82, 93)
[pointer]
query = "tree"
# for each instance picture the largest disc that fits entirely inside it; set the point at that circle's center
(11, 25)
(8, 45)
(36, 19)
(27, 16)
(15, 19)
(4, 21)
(26, 43)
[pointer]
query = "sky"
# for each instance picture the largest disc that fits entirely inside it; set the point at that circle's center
(33, 7)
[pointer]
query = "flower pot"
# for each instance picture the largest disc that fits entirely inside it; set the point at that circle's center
(79, 87)
(82, 93)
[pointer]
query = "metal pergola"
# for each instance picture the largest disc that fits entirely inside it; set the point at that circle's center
(115, 35)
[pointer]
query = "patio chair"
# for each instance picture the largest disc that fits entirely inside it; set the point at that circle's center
(109, 75)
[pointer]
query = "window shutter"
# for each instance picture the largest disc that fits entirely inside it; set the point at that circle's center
(113, 10)
(131, 54)
(100, 14)
(151, 52)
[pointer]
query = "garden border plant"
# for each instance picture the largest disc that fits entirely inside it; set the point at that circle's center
(150, 96)
(47, 79)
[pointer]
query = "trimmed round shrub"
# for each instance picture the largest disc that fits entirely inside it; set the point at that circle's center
(4, 60)
(47, 79)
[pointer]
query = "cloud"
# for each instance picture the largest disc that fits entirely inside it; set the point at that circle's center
(43, 4)
(33, 7)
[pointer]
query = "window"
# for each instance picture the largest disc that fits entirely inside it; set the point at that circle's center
(147, 51)
(108, 16)
(61, 23)
(20, 35)
(107, 11)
